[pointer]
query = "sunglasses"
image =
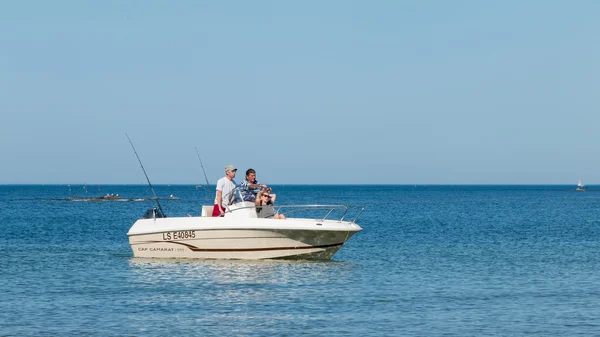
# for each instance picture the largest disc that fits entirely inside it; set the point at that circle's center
(234, 171)
(264, 196)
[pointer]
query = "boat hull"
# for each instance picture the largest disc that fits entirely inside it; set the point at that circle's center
(222, 238)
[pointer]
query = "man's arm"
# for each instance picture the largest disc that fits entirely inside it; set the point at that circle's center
(220, 200)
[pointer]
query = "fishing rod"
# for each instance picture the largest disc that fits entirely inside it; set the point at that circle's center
(203, 171)
(162, 213)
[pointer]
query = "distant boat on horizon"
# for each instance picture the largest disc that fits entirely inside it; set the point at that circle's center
(110, 197)
(116, 197)
(580, 187)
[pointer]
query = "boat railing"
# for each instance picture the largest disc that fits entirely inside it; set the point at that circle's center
(341, 211)
(290, 209)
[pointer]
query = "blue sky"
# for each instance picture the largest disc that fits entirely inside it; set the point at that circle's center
(305, 92)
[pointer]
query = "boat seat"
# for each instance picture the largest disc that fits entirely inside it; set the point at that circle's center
(207, 210)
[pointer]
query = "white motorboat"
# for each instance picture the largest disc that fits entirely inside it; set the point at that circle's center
(580, 187)
(240, 234)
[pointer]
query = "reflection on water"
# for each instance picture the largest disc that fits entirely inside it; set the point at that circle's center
(218, 272)
(238, 294)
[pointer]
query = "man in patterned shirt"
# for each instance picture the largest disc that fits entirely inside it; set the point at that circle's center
(250, 186)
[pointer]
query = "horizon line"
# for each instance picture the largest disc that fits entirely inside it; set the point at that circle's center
(301, 184)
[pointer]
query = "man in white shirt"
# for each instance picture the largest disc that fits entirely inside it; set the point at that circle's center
(225, 187)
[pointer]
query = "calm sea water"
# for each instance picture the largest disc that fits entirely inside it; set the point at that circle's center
(431, 261)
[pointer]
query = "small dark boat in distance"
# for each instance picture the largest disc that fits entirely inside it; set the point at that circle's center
(108, 197)
(115, 197)
(580, 187)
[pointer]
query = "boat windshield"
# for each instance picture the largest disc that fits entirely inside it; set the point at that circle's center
(310, 211)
